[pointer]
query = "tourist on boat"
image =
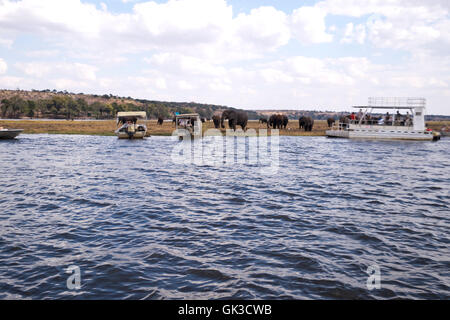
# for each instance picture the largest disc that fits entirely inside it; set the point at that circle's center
(408, 121)
(360, 114)
(387, 119)
(398, 118)
(353, 116)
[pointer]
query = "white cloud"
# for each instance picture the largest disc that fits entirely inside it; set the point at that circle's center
(398, 24)
(272, 75)
(264, 27)
(354, 34)
(7, 43)
(206, 27)
(42, 53)
(8, 82)
(78, 71)
(185, 85)
(178, 63)
(308, 25)
(3, 66)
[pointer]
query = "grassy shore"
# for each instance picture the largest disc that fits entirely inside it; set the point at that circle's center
(107, 127)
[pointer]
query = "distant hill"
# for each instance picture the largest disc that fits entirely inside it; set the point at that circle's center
(68, 105)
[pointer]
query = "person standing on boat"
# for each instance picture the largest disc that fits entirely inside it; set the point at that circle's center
(360, 114)
(387, 119)
(407, 119)
(398, 119)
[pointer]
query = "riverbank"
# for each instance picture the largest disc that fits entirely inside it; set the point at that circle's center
(107, 127)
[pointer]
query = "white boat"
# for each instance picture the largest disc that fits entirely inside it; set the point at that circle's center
(9, 133)
(129, 128)
(409, 126)
(189, 124)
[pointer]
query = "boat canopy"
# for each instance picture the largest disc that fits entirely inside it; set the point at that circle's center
(416, 105)
(395, 103)
(132, 116)
(387, 107)
(187, 115)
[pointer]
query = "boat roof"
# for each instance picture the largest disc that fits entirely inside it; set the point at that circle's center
(187, 115)
(389, 107)
(395, 103)
(135, 114)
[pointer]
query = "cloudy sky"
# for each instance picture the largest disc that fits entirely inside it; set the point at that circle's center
(252, 54)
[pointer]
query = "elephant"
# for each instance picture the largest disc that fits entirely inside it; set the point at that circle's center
(160, 121)
(216, 121)
(306, 123)
(235, 118)
(330, 122)
(344, 121)
(285, 121)
(275, 121)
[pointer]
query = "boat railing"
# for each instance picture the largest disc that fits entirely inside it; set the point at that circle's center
(339, 125)
(383, 122)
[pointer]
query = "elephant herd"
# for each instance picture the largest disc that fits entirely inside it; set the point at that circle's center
(278, 121)
(275, 121)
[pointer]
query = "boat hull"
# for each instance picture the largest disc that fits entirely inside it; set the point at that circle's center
(10, 134)
(136, 135)
(387, 135)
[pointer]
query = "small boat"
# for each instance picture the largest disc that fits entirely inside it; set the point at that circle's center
(9, 133)
(409, 126)
(129, 128)
(445, 132)
(188, 125)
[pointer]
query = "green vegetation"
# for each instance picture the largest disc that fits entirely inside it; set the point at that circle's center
(52, 104)
(63, 105)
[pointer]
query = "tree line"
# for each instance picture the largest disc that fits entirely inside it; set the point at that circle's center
(67, 107)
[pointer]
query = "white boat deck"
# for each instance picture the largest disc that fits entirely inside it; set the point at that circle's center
(398, 128)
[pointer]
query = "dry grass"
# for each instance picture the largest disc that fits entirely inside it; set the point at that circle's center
(62, 126)
(437, 125)
(107, 127)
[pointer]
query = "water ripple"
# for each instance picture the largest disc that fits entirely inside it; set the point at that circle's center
(141, 227)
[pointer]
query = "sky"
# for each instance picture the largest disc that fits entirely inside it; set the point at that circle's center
(266, 54)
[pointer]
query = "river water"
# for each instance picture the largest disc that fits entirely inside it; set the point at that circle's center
(139, 226)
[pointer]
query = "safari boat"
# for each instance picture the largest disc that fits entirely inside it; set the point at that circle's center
(189, 124)
(364, 125)
(9, 133)
(129, 128)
